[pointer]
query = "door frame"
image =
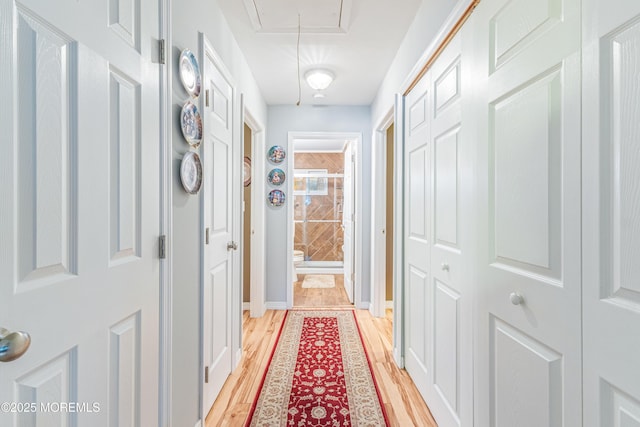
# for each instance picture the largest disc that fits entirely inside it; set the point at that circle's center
(257, 305)
(379, 242)
(379, 215)
(165, 395)
(356, 138)
(205, 48)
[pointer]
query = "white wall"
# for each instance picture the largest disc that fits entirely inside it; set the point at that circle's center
(421, 38)
(289, 118)
(189, 18)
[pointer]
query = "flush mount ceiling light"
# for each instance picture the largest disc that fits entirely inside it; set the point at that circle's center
(319, 79)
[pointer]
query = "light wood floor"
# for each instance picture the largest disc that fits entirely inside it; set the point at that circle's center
(401, 399)
(320, 297)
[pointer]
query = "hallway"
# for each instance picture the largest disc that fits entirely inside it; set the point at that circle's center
(403, 403)
(320, 297)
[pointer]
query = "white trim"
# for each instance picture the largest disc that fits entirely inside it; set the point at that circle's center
(258, 216)
(356, 137)
(379, 215)
(237, 141)
(246, 306)
(363, 305)
(237, 359)
(457, 12)
(398, 233)
(388, 304)
(165, 397)
(276, 305)
(319, 270)
(319, 151)
(358, 240)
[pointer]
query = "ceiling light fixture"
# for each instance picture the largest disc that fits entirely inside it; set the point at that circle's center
(319, 79)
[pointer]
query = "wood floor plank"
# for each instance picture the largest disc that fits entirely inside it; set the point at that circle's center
(399, 395)
(320, 297)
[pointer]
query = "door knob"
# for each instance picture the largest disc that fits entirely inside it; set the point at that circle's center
(232, 246)
(13, 344)
(516, 298)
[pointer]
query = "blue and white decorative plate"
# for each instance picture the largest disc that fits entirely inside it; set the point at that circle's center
(190, 72)
(276, 198)
(276, 154)
(276, 177)
(191, 123)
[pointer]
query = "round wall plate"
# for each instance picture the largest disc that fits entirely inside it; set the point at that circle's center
(191, 124)
(276, 198)
(247, 171)
(190, 73)
(276, 177)
(191, 172)
(276, 154)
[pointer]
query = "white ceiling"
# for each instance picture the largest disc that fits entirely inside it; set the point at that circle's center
(356, 39)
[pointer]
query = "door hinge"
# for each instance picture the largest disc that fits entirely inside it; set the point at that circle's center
(162, 247)
(206, 98)
(206, 374)
(206, 236)
(163, 50)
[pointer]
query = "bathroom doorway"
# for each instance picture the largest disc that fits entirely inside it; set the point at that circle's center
(323, 192)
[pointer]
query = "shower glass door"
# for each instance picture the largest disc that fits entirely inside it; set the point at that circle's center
(318, 207)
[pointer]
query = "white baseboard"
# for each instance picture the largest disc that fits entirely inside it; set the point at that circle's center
(246, 306)
(389, 304)
(398, 359)
(319, 270)
(363, 306)
(238, 358)
(276, 305)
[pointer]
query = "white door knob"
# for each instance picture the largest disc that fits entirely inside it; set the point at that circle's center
(516, 298)
(444, 266)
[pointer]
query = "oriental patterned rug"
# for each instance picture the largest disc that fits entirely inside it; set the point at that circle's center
(319, 375)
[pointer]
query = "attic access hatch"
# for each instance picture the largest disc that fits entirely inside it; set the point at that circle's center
(316, 16)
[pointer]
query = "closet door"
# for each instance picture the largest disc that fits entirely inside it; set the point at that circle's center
(438, 293)
(611, 213)
(528, 364)
(417, 237)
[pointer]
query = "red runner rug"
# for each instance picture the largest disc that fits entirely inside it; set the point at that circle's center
(319, 375)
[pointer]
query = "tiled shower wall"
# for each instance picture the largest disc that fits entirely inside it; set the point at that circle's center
(323, 241)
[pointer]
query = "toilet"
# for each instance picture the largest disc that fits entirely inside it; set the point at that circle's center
(298, 257)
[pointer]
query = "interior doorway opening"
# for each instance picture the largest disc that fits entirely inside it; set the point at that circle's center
(322, 219)
(246, 218)
(389, 219)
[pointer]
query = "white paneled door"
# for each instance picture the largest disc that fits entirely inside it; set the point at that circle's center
(219, 247)
(527, 62)
(79, 268)
(438, 298)
(611, 212)
(417, 237)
